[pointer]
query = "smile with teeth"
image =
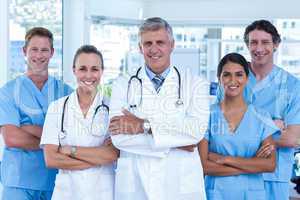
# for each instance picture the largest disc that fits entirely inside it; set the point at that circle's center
(259, 55)
(38, 61)
(233, 87)
(155, 57)
(88, 82)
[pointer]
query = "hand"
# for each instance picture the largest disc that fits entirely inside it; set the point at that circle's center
(265, 150)
(214, 157)
(223, 160)
(126, 124)
(66, 150)
(279, 123)
(188, 148)
(107, 142)
(288, 138)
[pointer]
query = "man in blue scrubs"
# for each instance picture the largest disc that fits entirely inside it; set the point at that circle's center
(277, 91)
(23, 104)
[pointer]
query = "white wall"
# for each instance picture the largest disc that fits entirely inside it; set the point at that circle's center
(129, 9)
(4, 41)
(222, 9)
(77, 16)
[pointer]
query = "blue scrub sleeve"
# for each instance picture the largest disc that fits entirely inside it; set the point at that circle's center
(293, 110)
(269, 126)
(207, 135)
(9, 113)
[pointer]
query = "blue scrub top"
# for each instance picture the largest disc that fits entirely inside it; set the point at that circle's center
(278, 93)
(244, 142)
(22, 103)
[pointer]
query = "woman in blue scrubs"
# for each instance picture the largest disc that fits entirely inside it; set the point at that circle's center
(229, 151)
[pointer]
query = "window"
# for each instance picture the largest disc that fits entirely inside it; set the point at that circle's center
(25, 14)
(288, 54)
(119, 45)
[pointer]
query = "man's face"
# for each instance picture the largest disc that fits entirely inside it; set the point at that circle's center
(261, 48)
(38, 53)
(156, 46)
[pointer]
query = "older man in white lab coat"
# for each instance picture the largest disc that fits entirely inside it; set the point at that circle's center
(157, 117)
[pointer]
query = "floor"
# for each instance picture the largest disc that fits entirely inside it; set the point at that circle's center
(293, 194)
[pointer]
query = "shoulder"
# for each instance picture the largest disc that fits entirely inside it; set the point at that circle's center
(262, 116)
(258, 111)
(291, 80)
(10, 85)
(11, 88)
(58, 104)
(195, 82)
(214, 108)
(106, 100)
(61, 84)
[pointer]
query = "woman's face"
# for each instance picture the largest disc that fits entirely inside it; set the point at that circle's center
(88, 71)
(233, 79)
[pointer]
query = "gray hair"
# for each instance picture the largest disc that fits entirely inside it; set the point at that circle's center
(154, 24)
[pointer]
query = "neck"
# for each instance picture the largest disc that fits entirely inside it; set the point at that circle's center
(85, 98)
(38, 79)
(261, 71)
(157, 71)
(233, 103)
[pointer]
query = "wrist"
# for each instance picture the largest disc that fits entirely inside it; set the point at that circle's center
(73, 151)
(228, 160)
(146, 126)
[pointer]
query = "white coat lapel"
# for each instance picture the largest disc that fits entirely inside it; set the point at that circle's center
(170, 83)
(147, 83)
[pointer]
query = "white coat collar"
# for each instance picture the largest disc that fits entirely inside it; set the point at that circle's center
(147, 84)
(74, 103)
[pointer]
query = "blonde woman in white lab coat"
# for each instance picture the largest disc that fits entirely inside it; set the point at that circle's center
(75, 137)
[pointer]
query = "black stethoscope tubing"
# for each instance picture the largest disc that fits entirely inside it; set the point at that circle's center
(136, 76)
(64, 108)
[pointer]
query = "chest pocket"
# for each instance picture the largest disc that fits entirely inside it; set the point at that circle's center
(85, 132)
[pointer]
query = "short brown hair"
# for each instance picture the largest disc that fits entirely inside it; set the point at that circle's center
(38, 31)
(88, 49)
(262, 25)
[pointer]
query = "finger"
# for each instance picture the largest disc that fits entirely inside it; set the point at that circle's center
(264, 147)
(107, 141)
(115, 118)
(186, 148)
(114, 129)
(115, 132)
(265, 152)
(220, 161)
(126, 112)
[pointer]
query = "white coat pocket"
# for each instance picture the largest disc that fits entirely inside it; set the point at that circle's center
(63, 186)
(191, 178)
(125, 177)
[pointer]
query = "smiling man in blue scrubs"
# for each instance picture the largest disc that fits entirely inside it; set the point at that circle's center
(276, 91)
(23, 104)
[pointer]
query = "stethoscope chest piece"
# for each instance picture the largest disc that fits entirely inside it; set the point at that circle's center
(178, 103)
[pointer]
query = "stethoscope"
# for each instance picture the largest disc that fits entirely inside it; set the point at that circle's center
(178, 102)
(63, 133)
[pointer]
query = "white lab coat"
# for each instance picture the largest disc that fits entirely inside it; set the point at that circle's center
(150, 167)
(90, 184)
